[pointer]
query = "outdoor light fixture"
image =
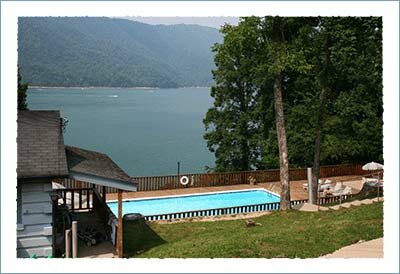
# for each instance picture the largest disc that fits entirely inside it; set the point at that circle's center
(64, 123)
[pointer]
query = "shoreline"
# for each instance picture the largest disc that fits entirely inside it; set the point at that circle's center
(92, 87)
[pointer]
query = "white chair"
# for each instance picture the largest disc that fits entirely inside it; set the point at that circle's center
(338, 187)
(346, 191)
(326, 185)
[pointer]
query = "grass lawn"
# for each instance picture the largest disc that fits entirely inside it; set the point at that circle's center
(290, 234)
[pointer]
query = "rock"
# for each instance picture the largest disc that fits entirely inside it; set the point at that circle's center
(355, 203)
(306, 207)
(366, 201)
(336, 207)
(345, 205)
(250, 223)
(323, 208)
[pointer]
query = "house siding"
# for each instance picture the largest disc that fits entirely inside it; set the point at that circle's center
(34, 228)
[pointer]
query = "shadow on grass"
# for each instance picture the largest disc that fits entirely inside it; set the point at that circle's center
(138, 236)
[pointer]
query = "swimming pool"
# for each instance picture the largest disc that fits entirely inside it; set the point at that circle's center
(195, 202)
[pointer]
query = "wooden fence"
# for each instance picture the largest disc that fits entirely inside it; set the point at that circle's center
(150, 183)
(242, 177)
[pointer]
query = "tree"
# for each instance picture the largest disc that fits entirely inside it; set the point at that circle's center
(22, 88)
(312, 89)
(278, 40)
(352, 122)
(282, 54)
(323, 67)
(231, 126)
(354, 125)
(350, 91)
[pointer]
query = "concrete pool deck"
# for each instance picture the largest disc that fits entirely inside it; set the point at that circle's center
(297, 192)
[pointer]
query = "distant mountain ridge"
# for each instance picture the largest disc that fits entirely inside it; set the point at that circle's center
(110, 52)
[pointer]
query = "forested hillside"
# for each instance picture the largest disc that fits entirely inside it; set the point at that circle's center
(84, 51)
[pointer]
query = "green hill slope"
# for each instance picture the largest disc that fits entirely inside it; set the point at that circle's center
(87, 51)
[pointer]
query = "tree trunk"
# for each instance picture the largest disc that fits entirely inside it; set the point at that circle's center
(278, 38)
(317, 148)
(282, 143)
(320, 119)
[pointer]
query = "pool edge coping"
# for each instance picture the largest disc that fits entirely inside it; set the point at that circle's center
(192, 194)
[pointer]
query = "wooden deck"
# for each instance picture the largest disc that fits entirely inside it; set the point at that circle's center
(296, 189)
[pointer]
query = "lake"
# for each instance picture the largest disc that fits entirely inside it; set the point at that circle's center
(145, 131)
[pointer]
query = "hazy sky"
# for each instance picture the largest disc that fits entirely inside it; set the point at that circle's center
(214, 22)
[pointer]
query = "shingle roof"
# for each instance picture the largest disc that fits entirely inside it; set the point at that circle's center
(40, 145)
(94, 163)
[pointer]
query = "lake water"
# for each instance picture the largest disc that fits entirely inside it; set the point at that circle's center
(145, 131)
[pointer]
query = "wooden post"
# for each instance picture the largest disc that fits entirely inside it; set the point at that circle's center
(68, 243)
(119, 236)
(74, 239)
(104, 193)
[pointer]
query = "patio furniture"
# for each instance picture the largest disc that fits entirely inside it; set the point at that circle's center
(326, 185)
(346, 191)
(322, 185)
(370, 181)
(338, 186)
(342, 191)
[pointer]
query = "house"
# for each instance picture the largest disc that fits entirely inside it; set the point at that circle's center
(41, 158)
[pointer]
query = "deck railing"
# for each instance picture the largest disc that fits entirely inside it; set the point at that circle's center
(76, 198)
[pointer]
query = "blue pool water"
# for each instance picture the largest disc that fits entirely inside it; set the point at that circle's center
(194, 202)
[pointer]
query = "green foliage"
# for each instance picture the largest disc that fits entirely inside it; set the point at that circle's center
(290, 234)
(231, 126)
(352, 130)
(83, 51)
(22, 105)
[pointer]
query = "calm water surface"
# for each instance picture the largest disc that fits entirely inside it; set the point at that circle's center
(145, 131)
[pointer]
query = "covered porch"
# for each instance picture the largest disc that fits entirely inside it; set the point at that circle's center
(99, 231)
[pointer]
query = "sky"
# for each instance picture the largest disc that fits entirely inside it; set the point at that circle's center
(214, 22)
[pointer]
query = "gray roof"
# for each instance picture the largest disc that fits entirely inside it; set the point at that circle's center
(94, 163)
(40, 145)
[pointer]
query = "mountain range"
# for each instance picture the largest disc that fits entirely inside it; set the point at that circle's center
(110, 52)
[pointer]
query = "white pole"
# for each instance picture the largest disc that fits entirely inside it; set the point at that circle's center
(310, 185)
(74, 239)
(378, 186)
(68, 243)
